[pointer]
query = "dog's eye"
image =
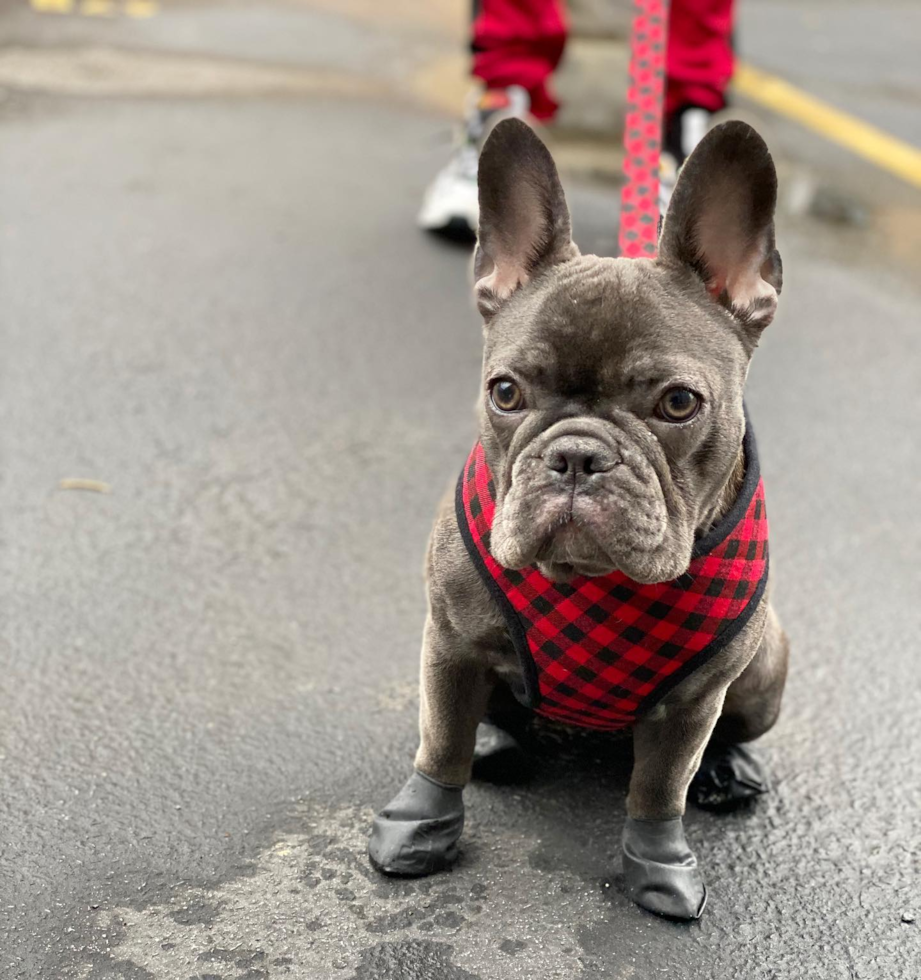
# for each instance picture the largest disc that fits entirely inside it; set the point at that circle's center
(678, 405)
(506, 395)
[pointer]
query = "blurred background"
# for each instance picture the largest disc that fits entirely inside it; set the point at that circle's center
(235, 380)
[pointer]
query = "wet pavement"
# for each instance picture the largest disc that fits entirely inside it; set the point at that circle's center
(213, 298)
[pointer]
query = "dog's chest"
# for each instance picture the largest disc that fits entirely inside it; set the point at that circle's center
(599, 652)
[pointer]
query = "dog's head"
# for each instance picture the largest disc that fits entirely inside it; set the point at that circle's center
(612, 414)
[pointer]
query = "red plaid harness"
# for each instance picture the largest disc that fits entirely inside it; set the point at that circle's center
(598, 652)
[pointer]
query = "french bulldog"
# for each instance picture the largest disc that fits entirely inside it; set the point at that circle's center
(613, 432)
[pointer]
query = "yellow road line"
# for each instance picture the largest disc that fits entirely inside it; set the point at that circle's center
(98, 8)
(53, 6)
(141, 8)
(899, 158)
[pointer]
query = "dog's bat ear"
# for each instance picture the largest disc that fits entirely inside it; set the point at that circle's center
(720, 222)
(524, 220)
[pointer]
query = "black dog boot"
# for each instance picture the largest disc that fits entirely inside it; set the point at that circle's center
(661, 870)
(729, 776)
(417, 832)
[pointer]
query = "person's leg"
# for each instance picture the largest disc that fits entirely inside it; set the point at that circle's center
(516, 45)
(699, 61)
(698, 68)
(519, 42)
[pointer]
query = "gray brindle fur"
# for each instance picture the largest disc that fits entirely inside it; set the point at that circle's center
(590, 478)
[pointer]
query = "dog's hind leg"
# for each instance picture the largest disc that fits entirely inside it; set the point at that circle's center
(753, 700)
(417, 832)
(502, 740)
(729, 774)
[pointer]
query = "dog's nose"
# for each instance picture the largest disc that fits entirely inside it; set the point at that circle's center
(577, 455)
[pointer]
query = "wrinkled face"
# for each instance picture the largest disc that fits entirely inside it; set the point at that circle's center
(612, 416)
(611, 409)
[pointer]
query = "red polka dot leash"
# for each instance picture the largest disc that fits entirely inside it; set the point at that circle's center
(639, 200)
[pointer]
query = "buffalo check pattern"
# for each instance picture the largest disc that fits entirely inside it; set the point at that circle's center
(598, 652)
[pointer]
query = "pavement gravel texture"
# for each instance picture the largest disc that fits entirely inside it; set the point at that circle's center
(220, 307)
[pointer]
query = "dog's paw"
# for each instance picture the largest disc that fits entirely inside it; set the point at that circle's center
(417, 832)
(729, 776)
(661, 870)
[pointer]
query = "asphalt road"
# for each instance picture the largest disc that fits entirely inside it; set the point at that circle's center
(220, 307)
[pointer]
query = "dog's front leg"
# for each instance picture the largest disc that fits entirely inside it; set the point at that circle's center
(417, 832)
(660, 869)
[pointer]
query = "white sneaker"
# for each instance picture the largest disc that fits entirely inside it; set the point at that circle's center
(450, 205)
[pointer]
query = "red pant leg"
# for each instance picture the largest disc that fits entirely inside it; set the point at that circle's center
(519, 42)
(699, 63)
